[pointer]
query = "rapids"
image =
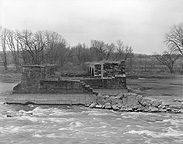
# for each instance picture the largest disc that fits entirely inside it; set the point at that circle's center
(33, 124)
(76, 124)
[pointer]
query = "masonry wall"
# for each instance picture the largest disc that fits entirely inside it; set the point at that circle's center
(107, 83)
(64, 86)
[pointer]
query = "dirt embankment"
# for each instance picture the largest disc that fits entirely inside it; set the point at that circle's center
(158, 86)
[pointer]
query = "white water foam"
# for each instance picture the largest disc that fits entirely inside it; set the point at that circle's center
(17, 129)
(169, 132)
(95, 112)
(58, 112)
(38, 111)
(72, 126)
(175, 122)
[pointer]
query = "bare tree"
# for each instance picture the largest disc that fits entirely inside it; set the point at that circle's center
(55, 48)
(110, 51)
(123, 52)
(81, 54)
(4, 48)
(99, 49)
(33, 44)
(13, 43)
(174, 39)
(168, 58)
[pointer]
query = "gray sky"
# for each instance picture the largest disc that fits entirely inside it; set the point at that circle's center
(141, 24)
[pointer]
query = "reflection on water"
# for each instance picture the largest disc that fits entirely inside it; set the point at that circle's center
(65, 124)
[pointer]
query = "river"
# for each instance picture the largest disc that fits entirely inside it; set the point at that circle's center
(33, 124)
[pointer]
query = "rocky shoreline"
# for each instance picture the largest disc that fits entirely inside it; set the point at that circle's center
(132, 102)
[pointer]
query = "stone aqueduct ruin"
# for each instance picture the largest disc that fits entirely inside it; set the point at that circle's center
(40, 85)
(42, 79)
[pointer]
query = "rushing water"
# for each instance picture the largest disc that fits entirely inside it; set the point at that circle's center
(33, 124)
(63, 124)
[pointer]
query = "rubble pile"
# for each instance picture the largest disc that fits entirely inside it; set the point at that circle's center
(132, 102)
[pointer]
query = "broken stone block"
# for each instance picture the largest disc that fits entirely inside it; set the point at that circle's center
(156, 103)
(139, 98)
(98, 106)
(153, 109)
(146, 101)
(140, 109)
(92, 105)
(178, 100)
(131, 100)
(115, 107)
(175, 111)
(119, 105)
(129, 109)
(176, 106)
(107, 106)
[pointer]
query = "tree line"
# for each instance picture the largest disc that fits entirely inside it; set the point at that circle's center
(49, 47)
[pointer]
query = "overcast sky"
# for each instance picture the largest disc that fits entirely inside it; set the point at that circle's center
(141, 24)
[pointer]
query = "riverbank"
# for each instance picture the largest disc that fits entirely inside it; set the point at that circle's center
(171, 85)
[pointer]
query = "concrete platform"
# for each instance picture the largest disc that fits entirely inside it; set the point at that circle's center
(52, 99)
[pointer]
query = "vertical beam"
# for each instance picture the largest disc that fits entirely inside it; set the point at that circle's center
(90, 70)
(102, 71)
(94, 70)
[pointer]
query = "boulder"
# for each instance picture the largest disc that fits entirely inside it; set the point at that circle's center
(119, 102)
(125, 100)
(107, 106)
(176, 106)
(92, 105)
(129, 109)
(122, 109)
(119, 105)
(120, 96)
(162, 110)
(175, 111)
(153, 109)
(125, 95)
(146, 109)
(115, 107)
(100, 99)
(98, 106)
(135, 108)
(131, 100)
(140, 109)
(181, 110)
(178, 100)
(156, 103)
(146, 101)
(162, 106)
(139, 98)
